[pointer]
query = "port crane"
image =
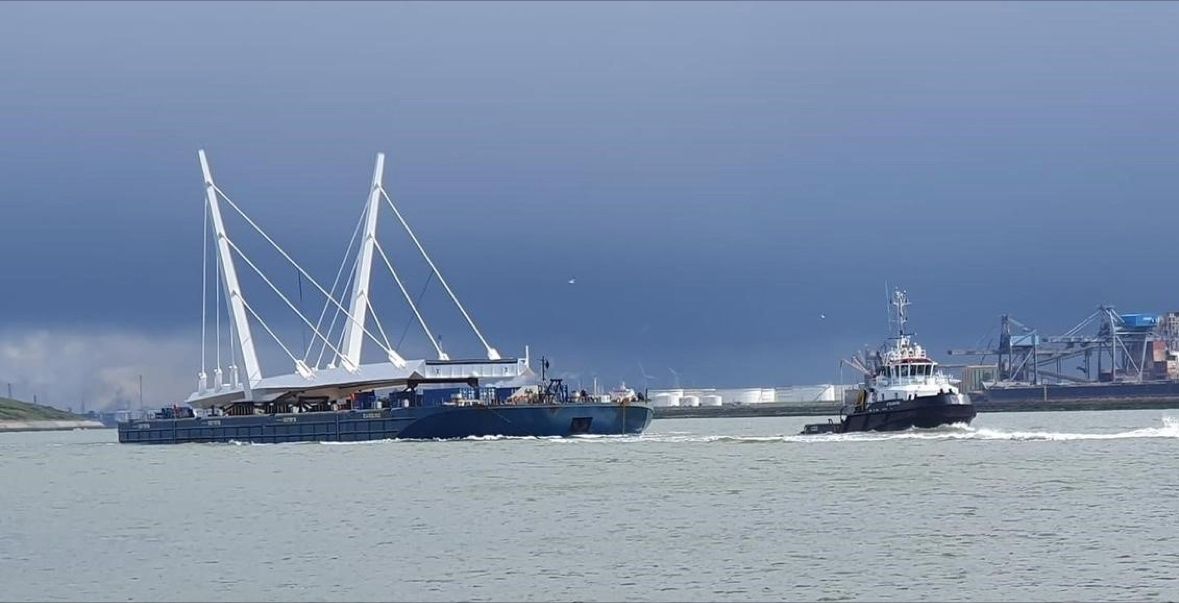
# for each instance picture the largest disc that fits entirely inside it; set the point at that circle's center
(1112, 345)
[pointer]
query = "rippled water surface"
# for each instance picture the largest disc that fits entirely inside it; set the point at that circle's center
(1035, 506)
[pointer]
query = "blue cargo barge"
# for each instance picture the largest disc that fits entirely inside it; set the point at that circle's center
(414, 408)
(422, 422)
(332, 395)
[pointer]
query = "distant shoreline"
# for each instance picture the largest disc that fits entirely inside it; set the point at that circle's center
(18, 426)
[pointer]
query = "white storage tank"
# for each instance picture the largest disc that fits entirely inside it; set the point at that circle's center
(711, 400)
(690, 401)
(664, 400)
(808, 394)
(747, 395)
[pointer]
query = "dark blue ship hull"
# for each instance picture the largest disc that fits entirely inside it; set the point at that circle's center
(422, 422)
(922, 412)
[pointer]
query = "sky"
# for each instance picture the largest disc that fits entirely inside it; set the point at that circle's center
(730, 185)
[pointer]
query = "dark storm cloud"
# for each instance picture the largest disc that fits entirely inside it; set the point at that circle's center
(715, 176)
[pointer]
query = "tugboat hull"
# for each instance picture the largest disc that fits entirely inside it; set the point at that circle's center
(424, 422)
(923, 412)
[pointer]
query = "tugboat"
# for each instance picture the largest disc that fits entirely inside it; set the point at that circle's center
(903, 387)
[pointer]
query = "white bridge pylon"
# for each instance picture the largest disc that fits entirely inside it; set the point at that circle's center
(342, 351)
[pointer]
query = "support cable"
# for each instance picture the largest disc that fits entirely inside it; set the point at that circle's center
(336, 316)
(302, 333)
(421, 294)
(335, 282)
(344, 326)
(409, 299)
(232, 350)
(218, 315)
(268, 330)
(276, 290)
(491, 352)
(204, 288)
(285, 255)
(368, 302)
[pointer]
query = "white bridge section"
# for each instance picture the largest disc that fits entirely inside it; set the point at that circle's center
(343, 372)
(338, 383)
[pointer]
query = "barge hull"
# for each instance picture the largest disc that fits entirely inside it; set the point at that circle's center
(429, 422)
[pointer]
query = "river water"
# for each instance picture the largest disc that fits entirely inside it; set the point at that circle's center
(1021, 506)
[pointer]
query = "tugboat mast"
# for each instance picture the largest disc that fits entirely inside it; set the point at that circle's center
(899, 317)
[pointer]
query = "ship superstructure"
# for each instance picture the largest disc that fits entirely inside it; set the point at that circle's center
(901, 369)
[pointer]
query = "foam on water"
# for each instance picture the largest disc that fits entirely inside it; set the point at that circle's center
(1169, 429)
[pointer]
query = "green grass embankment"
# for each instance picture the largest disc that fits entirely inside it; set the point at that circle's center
(15, 410)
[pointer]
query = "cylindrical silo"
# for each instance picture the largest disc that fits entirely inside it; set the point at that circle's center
(711, 400)
(664, 400)
(747, 395)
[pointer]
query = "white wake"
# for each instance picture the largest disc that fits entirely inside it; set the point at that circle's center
(1169, 429)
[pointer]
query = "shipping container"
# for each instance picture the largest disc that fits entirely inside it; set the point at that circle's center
(1140, 321)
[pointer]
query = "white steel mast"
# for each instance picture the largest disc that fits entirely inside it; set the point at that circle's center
(354, 328)
(232, 288)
